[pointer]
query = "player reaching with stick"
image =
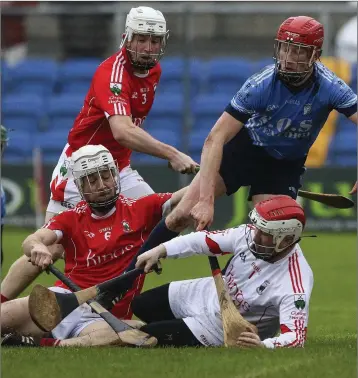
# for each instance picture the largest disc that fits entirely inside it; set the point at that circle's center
(100, 236)
(263, 137)
(268, 279)
(118, 101)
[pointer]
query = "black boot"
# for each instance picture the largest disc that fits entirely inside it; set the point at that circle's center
(16, 340)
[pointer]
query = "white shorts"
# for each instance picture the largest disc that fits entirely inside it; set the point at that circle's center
(195, 301)
(74, 322)
(132, 185)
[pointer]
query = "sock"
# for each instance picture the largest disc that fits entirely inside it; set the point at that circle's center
(49, 342)
(160, 234)
(3, 298)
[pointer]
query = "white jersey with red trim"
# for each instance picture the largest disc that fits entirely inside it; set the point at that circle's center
(273, 296)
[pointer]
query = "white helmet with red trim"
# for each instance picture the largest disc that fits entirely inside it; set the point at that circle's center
(279, 217)
(145, 21)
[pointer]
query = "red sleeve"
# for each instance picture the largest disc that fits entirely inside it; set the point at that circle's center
(61, 222)
(112, 89)
(151, 207)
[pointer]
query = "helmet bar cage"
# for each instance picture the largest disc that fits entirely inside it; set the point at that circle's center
(82, 175)
(296, 76)
(279, 229)
(134, 55)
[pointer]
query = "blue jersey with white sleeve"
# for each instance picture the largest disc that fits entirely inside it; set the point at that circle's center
(286, 121)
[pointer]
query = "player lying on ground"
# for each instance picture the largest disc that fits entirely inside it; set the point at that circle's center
(118, 101)
(101, 236)
(268, 279)
(263, 137)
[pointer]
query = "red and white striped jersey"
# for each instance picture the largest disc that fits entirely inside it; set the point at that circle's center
(273, 296)
(115, 90)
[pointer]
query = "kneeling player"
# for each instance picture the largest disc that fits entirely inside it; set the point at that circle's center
(101, 236)
(268, 279)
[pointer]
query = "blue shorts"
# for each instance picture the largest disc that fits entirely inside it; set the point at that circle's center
(245, 164)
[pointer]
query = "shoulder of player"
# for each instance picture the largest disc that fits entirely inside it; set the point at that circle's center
(81, 208)
(156, 70)
(298, 275)
(112, 68)
(262, 77)
(327, 77)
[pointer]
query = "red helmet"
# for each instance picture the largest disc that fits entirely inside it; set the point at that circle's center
(302, 30)
(298, 45)
(279, 217)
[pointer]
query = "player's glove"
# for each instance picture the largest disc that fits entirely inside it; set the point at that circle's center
(109, 299)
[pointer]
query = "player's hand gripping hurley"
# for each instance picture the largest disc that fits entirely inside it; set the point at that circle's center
(48, 308)
(233, 323)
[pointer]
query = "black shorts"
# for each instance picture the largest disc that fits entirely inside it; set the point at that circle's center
(245, 164)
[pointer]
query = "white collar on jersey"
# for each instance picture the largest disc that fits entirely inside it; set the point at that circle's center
(110, 212)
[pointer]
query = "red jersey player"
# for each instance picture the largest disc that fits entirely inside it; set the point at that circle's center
(118, 101)
(101, 236)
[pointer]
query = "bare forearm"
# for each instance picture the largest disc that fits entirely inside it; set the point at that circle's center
(209, 167)
(139, 140)
(29, 243)
(43, 237)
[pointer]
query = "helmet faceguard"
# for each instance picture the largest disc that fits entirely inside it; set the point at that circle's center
(96, 176)
(281, 217)
(298, 45)
(148, 24)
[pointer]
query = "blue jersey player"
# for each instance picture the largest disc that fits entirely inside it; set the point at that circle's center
(4, 140)
(263, 137)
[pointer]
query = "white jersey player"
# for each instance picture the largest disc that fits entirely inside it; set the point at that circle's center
(268, 279)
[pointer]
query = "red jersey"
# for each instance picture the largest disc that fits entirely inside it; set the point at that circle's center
(100, 248)
(115, 90)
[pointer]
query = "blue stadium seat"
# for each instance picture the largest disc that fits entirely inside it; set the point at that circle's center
(197, 139)
(262, 63)
(34, 76)
(6, 77)
(343, 148)
(345, 142)
(76, 75)
(63, 110)
(166, 113)
(345, 161)
(20, 146)
(51, 143)
(207, 109)
(172, 78)
(227, 75)
(23, 112)
(343, 123)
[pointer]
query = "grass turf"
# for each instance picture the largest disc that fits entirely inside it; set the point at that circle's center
(330, 350)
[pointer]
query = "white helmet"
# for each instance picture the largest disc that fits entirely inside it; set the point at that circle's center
(146, 21)
(93, 159)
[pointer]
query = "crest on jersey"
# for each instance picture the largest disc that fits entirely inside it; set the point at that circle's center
(262, 287)
(116, 88)
(64, 168)
(307, 109)
(126, 226)
(300, 301)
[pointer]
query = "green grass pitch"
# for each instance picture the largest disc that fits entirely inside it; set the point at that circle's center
(330, 350)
